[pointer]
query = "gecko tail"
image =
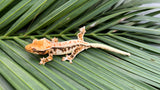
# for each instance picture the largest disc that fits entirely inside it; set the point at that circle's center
(109, 48)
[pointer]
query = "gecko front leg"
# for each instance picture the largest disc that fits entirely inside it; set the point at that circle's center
(47, 59)
(74, 53)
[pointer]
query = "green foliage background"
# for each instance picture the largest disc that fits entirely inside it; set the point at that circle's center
(119, 23)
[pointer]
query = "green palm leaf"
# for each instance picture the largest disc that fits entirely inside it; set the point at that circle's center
(118, 23)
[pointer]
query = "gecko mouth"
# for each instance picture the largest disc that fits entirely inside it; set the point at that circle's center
(35, 51)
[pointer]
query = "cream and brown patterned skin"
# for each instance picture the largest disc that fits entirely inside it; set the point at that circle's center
(53, 47)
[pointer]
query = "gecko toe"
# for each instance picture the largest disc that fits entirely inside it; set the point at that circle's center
(70, 61)
(43, 61)
(64, 58)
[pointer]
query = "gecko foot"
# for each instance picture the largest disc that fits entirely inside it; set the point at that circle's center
(43, 61)
(67, 58)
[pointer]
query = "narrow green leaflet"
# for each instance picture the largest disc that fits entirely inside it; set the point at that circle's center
(31, 13)
(70, 16)
(136, 29)
(21, 75)
(4, 84)
(146, 18)
(15, 12)
(100, 9)
(50, 18)
(4, 3)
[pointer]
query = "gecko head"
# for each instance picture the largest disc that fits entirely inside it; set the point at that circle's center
(39, 46)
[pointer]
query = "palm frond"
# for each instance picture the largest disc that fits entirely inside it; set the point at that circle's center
(118, 23)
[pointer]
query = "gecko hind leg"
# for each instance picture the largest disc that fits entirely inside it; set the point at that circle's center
(74, 53)
(81, 33)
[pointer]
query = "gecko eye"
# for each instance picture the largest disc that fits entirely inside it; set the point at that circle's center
(34, 49)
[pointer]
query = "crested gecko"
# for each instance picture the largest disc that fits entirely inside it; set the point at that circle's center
(72, 47)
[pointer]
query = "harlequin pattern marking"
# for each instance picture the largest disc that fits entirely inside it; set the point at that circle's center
(72, 47)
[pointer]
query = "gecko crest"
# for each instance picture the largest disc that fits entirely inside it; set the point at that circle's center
(72, 47)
